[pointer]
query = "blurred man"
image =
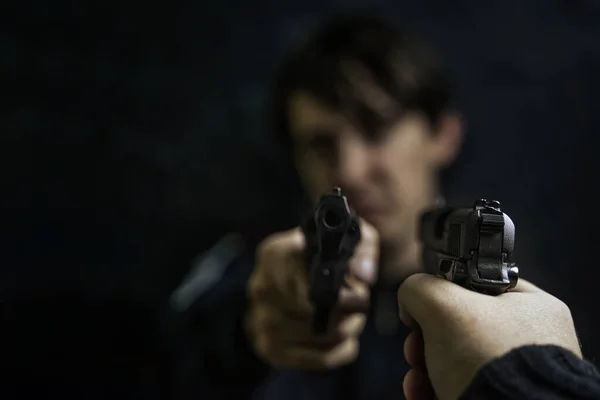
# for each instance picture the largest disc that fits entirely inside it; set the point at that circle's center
(363, 106)
(366, 107)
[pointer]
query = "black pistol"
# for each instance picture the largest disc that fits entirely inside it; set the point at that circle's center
(472, 247)
(332, 233)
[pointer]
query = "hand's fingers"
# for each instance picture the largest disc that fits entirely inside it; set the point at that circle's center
(417, 386)
(364, 264)
(293, 240)
(406, 318)
(288, 328)
(291, 299)
(279, 245)
(313, 359)
(271, 321)
(280, 275)
(414, 350)
(422, 295)
(354, 296)
(280, 255)
(285, 265)
(347, 327)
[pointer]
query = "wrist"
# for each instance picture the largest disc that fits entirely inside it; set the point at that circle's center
(542, 369)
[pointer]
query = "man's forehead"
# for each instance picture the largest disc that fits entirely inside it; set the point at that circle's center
(307, 112)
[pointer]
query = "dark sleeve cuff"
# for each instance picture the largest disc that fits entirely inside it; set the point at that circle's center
(536, 372)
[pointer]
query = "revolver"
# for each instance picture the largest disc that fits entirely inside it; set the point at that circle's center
(472, 247)
(332, 233)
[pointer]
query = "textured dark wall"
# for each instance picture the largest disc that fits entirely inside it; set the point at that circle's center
(133, 134)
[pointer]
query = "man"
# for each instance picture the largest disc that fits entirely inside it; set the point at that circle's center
(365, 107)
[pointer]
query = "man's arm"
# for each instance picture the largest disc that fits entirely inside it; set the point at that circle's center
(536, 372)
(210, 353)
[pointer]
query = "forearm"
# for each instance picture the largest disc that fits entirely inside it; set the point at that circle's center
(540, 372)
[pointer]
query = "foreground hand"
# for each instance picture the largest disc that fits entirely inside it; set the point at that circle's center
(457, 331)
(279, 321)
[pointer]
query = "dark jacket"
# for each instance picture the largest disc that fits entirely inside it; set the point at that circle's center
(213, 360)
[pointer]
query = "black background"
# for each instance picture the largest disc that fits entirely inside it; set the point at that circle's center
(133, 137)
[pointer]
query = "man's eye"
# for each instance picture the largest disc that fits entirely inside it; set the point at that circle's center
(323, 147)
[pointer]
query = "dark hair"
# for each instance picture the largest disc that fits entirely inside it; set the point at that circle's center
(379, 57)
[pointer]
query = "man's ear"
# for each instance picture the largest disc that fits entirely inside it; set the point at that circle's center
(448, 139)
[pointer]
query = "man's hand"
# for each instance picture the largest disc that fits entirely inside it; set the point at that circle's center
(279, 322)
(457, 331)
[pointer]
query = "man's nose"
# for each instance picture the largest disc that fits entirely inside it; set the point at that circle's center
(353, 164)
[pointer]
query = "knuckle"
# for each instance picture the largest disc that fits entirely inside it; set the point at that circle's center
(259, 284)
(266, 249)
(352, 350)
(264, 322)
(348, 351)
(354, 299)
(562, 309)
(258, 289)
(369, 233)
(352, 326)
(278, 244)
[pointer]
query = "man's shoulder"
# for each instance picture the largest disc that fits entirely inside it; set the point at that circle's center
(217, 275)
(205, 332)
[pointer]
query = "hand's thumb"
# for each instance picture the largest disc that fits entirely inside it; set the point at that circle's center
(365, 262)
(420, 298)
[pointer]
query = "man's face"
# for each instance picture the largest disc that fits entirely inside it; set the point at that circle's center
(389, 180)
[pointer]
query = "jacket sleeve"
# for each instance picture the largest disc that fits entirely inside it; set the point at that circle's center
(211, 357)
(536, 372)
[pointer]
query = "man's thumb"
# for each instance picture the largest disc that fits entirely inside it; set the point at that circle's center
(420, 297)
(365, 262)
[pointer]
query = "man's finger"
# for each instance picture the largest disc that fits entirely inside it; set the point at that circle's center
(280, 274)
(280, 248)
(406, 318)
(292, 239)
(414, 350)
(314, 359)
(364, 262)
(289, 295)
(339, 329)
(417, 386)
(354, 296)
(422, 296)
(272, 320)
